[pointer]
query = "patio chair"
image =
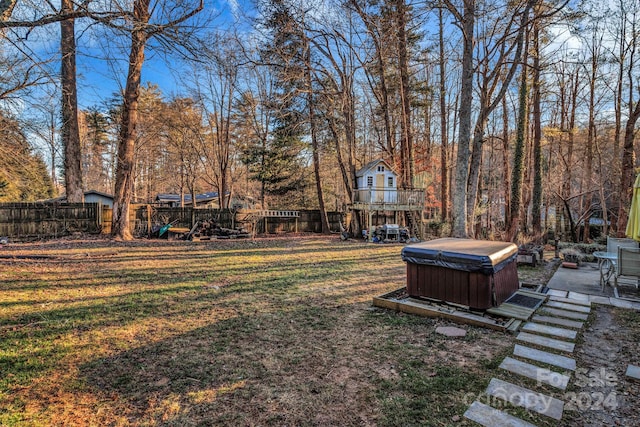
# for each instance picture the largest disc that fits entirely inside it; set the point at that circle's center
(614, 243)
(628, 265)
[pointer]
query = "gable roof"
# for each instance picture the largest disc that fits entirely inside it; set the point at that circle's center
(98, 193)
(366, 168)
(200, 198)
(63, 197)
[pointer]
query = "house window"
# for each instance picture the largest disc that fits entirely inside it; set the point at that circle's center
(369, 181)
(380, 168)
(390, 182)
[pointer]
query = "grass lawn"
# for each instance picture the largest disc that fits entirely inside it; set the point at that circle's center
(269, 332)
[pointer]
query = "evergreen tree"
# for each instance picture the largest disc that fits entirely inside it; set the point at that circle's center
(95, 146)
(277, 161)
(23, 174)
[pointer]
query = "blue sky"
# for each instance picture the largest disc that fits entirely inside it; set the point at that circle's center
(102, 59)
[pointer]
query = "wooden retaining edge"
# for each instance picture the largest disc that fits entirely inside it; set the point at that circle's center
(419, 308)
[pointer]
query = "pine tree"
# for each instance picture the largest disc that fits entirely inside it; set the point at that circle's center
(277, 161)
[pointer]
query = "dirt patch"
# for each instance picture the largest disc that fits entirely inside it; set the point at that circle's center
(600, 393)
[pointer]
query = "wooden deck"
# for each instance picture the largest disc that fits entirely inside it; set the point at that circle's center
(389, 199)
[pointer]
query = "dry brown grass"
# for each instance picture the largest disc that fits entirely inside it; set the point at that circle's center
(272, 332)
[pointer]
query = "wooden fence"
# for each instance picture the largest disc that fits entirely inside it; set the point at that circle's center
(147, 217)
(28, 221)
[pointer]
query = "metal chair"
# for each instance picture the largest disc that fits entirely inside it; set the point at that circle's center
(614, 243)
(628, 265)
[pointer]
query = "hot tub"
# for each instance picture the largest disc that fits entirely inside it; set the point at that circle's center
(475, 273)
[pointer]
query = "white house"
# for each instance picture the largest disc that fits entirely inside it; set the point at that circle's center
(380, 180)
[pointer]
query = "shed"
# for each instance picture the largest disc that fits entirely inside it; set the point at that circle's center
(94, 196)
(90, 196)
(381, 179)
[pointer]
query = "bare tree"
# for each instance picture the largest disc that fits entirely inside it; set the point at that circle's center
(518, 157)
(70, 128)
(444, 129)
(142, 29)
(216, 87)
(465, 19)
(65, 15)
(537, 133)
(501, 53)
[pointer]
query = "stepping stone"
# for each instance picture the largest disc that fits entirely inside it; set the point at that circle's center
(557, 293)
(541, 375)
(564, 313)
(451, 331)
(566, 306)
(490, 417)
(571, 301)
(546, 342)
(539, 328)
(599, 300)
(621, 303)
(633, 372)
(545, 357)
(557, 321)
(529, 399)
(578, 296)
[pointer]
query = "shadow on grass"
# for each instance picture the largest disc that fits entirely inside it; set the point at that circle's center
(268, 355)
(248, 370)
(31, 344)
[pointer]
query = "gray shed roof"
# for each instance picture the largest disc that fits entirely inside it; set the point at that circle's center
(366, 168)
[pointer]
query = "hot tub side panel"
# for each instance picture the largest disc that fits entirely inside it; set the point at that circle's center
(446, 284)
(505, 282)
(473, 289)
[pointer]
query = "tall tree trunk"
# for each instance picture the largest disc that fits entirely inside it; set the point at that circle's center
(315, 149)
(518, 157)
(488, 103)
(444, 165)
(70, 128)
(475, 168)
(464, 131)
(406, 151)
(618, 102)
(537, 138)
(349, 112)
(127, 136)
(52, 147)
(505, 162)
(324, 220)
(628, 149)
(591, 132)
(568, 174)
(383, 95)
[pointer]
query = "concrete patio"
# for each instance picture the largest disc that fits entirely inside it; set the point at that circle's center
(584, 282)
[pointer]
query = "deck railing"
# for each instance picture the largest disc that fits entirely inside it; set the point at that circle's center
(389, 196)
